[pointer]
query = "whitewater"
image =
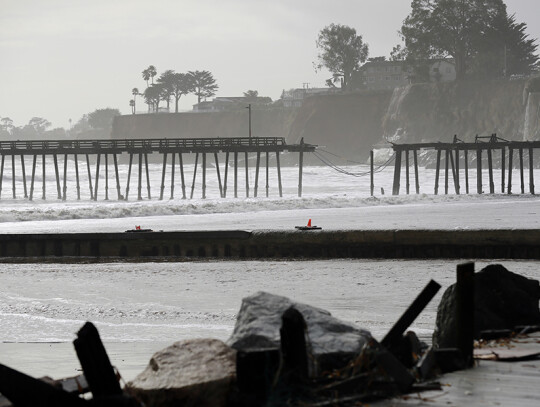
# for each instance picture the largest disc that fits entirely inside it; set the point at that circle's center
(142, 307)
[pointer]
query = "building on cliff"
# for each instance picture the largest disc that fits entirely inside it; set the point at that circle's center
(296, 97)
(380, 74)
(223, 103)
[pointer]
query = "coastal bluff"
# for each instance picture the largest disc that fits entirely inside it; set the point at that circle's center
(350, 124)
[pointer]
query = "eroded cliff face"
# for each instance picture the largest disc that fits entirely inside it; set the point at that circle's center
(347, 125)
(437, 112)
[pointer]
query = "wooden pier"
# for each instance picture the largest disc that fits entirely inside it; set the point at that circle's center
(457, 152)
(49, 151)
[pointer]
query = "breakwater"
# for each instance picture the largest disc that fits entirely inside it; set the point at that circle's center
(263, 244)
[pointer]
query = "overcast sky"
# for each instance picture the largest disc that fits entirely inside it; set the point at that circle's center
(60, 59)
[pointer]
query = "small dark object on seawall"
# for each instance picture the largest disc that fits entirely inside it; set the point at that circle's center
(138, 230)
(308, 227)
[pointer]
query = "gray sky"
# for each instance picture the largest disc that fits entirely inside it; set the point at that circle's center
(60, 59)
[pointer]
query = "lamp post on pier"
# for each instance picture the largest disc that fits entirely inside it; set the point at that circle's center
(249, 110)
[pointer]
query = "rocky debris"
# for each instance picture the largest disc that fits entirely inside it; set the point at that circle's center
(196, 372)
(503, 300)
(371, 374)
(333, 342)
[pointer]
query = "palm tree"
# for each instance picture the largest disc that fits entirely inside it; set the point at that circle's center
(135, 93)
(132, 104)
(146, 76)
(204, 84)
(152, 72)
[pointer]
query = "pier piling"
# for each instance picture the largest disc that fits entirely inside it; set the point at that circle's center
(531, 173)
(407, 181)
(89, 177)
(437, 171)
(98, 162)
(279, 174)
(397, 173)
(118, 193)
(58, 190)
(479, 186)
(33, 177)
(24, 176)
(77, 176)
(172, 175)
(416, 179)
(194, 175)
(510, 158)
(64, 187)
(164, 169)
(521, 171)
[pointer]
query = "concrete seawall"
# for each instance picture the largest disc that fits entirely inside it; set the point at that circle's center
(237, 244)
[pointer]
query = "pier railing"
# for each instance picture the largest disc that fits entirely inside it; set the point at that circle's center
(145, 145)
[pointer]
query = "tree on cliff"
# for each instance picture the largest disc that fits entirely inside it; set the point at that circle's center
(182, 84)
(341, 51)
(135, 93)
(204, 84)
(7, 125)
(146, 76)
(506, 50)
(153, 95)
(475, 33)
(102, 118)
(166, 81)
(39, 124)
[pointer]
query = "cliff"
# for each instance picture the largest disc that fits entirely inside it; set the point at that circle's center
(437, 112)
(348, 125)
(264, 123)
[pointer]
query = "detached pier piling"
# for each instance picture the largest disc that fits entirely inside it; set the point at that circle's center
(452, 161)
(93, 150)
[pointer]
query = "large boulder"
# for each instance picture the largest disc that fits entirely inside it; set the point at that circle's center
(502, 300)
(197, 372)
(333, 342)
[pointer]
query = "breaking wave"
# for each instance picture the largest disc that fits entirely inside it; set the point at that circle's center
(17, 212)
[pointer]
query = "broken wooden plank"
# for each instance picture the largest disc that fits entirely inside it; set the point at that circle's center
(95, 362)
(394, 335)
(293, 345)
(25, 391)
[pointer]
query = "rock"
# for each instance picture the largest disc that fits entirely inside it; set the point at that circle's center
(333, 342)
(502, 300)
(193, 372)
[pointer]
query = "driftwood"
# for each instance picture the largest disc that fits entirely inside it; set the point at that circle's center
(393, 341)
(95, 363)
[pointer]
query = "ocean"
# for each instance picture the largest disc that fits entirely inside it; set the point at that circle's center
(142, 307)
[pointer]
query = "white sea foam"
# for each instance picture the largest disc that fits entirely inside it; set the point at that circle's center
(323, 188)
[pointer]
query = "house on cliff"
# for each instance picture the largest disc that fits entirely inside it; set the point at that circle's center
(380, 74)
(224, 103)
